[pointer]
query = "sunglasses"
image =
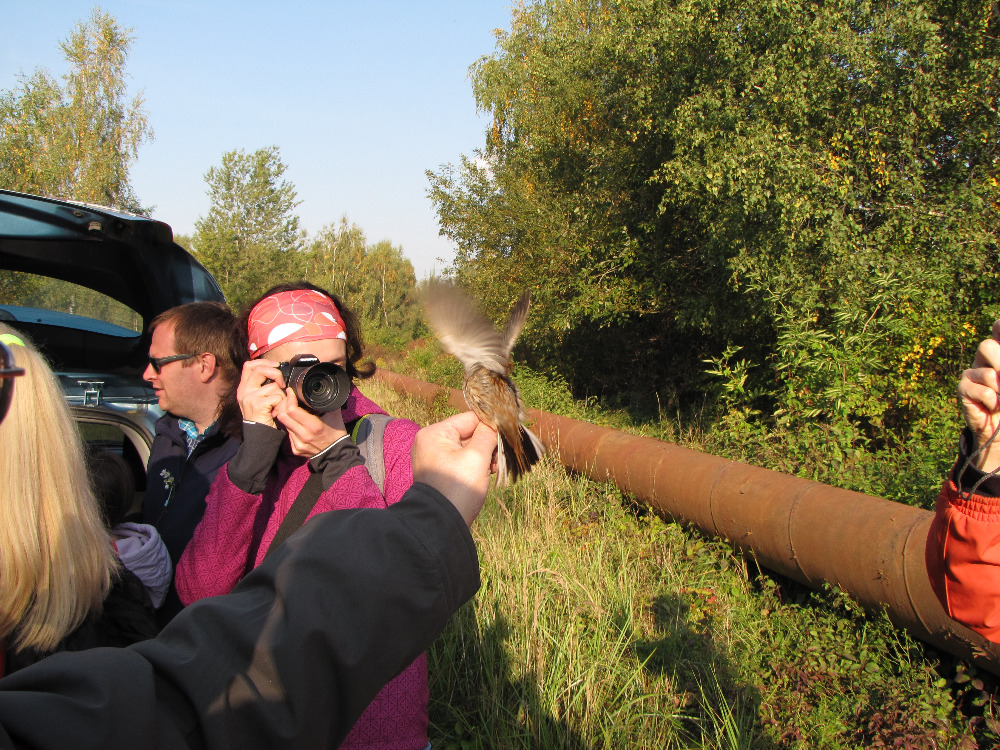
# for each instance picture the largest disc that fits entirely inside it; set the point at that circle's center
(157, 362)
(7, 374)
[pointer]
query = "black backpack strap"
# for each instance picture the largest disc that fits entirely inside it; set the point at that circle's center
(304, 503)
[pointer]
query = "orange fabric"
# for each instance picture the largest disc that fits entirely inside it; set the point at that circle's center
(963, 559)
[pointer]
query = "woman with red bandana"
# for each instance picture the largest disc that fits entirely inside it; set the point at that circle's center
(284, 445)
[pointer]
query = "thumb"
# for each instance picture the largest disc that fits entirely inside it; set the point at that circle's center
(464, 423)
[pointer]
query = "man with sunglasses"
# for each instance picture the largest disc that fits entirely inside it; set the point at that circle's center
(194, 367)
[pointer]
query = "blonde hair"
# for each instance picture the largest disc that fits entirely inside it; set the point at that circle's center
(56, 556)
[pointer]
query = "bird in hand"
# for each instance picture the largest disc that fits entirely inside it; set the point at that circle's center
(488, 388)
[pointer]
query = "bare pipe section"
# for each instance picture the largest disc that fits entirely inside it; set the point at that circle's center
(870, 547)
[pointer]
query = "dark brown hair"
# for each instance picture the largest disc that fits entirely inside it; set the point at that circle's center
(357, 369)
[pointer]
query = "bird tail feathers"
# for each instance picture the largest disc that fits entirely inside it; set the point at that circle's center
(514, 460)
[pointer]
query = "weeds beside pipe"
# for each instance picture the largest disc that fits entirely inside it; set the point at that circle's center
(870, 547)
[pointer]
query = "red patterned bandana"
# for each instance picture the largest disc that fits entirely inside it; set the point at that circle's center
(299, 315)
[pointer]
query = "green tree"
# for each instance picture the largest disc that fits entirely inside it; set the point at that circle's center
(77, 139)
(812, 185)
(377, 281)
(250, 238)
(335, 259)
(391, 283)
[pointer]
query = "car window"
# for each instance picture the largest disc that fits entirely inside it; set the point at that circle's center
(113, 439)
(29, 298)
(105, 436)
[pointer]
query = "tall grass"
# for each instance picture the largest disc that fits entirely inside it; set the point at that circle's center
(601, 626)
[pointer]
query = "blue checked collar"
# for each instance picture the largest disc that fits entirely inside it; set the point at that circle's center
(191, 434)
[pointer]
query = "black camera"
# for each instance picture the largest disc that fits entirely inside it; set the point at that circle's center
(322, 386)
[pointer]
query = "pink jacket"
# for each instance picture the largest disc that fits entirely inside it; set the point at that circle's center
(214, 560)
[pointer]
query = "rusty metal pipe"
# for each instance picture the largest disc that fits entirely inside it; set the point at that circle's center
(870, 547)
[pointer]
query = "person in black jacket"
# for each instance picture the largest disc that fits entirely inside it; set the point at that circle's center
(290, 658)
(194, 367)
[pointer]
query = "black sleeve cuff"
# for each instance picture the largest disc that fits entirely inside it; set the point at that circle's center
(335, 460)
(965, 479)
(250, 467)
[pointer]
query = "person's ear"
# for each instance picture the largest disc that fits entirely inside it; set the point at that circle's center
(207, 366)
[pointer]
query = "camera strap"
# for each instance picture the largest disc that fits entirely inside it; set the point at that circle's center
(302, 506)
(368, 434)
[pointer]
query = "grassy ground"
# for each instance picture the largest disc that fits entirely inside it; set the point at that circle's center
(601, 626)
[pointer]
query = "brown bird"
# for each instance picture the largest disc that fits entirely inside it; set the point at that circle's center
(485, 354)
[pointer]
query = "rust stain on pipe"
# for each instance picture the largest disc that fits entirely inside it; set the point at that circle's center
(870, 547)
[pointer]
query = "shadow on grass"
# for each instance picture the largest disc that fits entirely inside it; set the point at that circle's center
(717, 708)
(476, 701)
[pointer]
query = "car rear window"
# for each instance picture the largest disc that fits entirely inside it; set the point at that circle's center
(29, 298)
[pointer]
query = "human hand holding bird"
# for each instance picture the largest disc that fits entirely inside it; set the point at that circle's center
(488, 388)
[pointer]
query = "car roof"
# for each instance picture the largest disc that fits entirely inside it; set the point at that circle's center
(132, 259)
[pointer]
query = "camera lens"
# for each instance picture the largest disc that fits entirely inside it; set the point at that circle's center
(324, 387)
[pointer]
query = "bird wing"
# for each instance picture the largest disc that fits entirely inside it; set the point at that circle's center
(462, 330)
(515, 322)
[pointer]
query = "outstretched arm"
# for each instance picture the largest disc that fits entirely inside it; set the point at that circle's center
(290, 657)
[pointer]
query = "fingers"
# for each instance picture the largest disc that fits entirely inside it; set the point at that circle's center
(484, 441)
(259, 391)
(465, 424)
(308, 433)
(455, 457)
(256, 372)
(988, 353)
(979, 395)
(462, 430)
(981, 386)
(286, 404)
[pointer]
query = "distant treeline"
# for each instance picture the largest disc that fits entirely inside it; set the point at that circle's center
(250, 240)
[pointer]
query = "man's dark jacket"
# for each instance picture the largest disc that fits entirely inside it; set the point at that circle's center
(176, 487)
(290, 658)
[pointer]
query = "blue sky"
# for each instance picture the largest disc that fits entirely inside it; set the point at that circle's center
(360, 97)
